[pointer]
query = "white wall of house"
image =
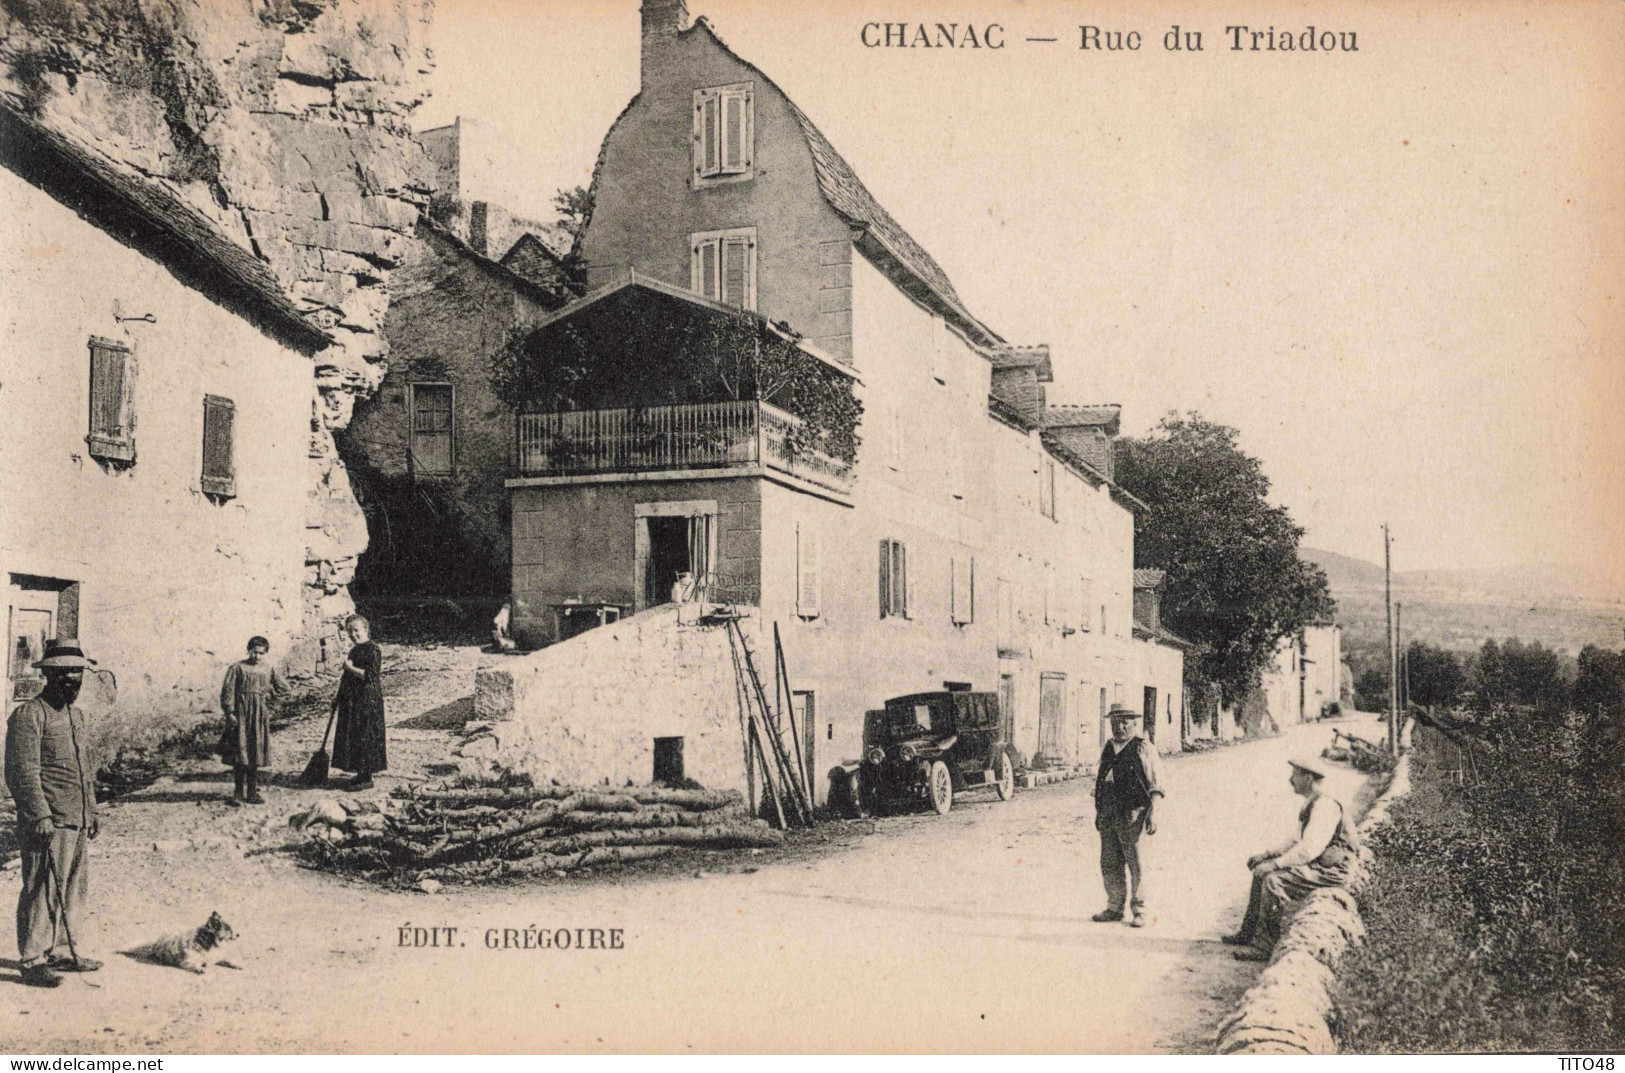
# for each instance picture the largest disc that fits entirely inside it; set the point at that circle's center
(1323, 645)
(172, 583)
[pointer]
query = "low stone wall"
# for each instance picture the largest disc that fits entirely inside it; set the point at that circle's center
(1286, 1012)
(587, 711)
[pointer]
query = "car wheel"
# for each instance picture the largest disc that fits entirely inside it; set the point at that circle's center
(1004, 776)
(941, 785)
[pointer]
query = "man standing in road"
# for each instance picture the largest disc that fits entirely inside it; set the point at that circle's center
(1321, 856)
(52, 780)
(1126, 792)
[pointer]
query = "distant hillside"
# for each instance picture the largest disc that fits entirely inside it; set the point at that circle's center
(1461, 609)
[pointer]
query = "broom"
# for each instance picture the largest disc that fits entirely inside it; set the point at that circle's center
(315, 773)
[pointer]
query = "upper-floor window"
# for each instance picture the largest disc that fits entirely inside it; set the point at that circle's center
(432, 431)
(1046, 488)
(962, 590)
(723, 266)
(112, 406)
(219, 477)
(724, 133)
(893, 579)
(809, 575)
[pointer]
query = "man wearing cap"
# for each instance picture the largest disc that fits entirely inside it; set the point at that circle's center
(53, 781)
(1321, 856)
(1126, 792)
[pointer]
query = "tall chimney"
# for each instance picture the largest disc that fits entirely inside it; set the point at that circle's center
(662, 19)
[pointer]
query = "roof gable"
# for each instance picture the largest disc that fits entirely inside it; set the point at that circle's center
(881, 237)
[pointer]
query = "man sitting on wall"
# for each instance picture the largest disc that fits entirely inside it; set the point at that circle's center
(53, 781)
(1126, 789)
(1321, 856)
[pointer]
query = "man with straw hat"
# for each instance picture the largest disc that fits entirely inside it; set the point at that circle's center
(1126, 790)
(53, 781)
(1321, 856)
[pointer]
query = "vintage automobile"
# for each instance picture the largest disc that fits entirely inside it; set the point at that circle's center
(927, 747)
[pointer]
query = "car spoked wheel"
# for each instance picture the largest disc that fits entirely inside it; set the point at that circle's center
(1004, 776)
(941, 785)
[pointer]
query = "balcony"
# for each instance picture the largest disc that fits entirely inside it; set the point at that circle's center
(654, 439)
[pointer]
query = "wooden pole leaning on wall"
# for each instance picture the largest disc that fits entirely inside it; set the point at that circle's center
(784, 786)
(781, 673)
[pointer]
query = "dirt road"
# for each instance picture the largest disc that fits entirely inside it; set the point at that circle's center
(969, 932)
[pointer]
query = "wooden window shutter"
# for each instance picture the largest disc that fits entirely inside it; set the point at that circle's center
(963, 598)
(219, 476)
(707, 142)
(807, 570)
(733, 130)
(112, 432)
(900, 578)
(704, 268)
(736, 281)
(885, 578)
(972, 617)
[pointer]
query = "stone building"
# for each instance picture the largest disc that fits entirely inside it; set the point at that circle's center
(155, 422)
(429, 451)
(286, 126)
(962, 534)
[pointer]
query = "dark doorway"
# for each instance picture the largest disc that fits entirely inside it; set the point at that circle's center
(669, 761)
(668, 557)
(1151, 713)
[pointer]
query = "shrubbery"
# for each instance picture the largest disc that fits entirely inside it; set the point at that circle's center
(1496, 912)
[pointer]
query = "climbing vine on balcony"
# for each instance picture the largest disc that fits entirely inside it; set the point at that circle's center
(608, 362)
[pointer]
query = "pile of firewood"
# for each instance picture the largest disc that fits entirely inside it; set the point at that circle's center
(487, 831)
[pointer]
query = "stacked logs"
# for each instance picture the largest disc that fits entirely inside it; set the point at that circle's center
(486, 831)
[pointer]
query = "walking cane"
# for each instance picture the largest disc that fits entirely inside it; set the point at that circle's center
(60, 917)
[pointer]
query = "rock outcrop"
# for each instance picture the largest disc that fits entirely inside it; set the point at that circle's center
(286, 122)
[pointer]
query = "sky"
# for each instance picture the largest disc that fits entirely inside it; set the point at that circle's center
(1397, 271)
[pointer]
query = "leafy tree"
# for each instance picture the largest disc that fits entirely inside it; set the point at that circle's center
(1434, 675)
(1513, 672)
(1371, 690)
(1235, 583)
(1600, 684)
(574, 208)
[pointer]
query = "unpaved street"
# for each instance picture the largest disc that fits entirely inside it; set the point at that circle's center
(969, 932)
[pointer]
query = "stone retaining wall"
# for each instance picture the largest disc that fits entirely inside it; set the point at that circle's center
(1286, 1011)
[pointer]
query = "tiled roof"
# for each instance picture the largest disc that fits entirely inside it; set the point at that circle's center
(155, 220)
(1021, 357)
(848, 196)
(1148, 579)
(1072, 416)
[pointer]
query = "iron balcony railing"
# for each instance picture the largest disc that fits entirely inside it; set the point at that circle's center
(703, 435)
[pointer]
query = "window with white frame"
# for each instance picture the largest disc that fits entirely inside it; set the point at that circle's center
(724, 134)
(723, 266)
(962, 590)
(809, 580)
(893, 579)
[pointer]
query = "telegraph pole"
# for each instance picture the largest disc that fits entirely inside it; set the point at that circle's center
(1393, 676)
(1402, 692)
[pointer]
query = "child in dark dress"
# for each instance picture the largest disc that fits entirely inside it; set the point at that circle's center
(358, 733)
(248, 698)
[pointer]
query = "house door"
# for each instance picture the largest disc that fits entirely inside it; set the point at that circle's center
(1051, 716)
(668, 557)
(1150, 713)
(31, 628)
(805, 707)
(1007, 707)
